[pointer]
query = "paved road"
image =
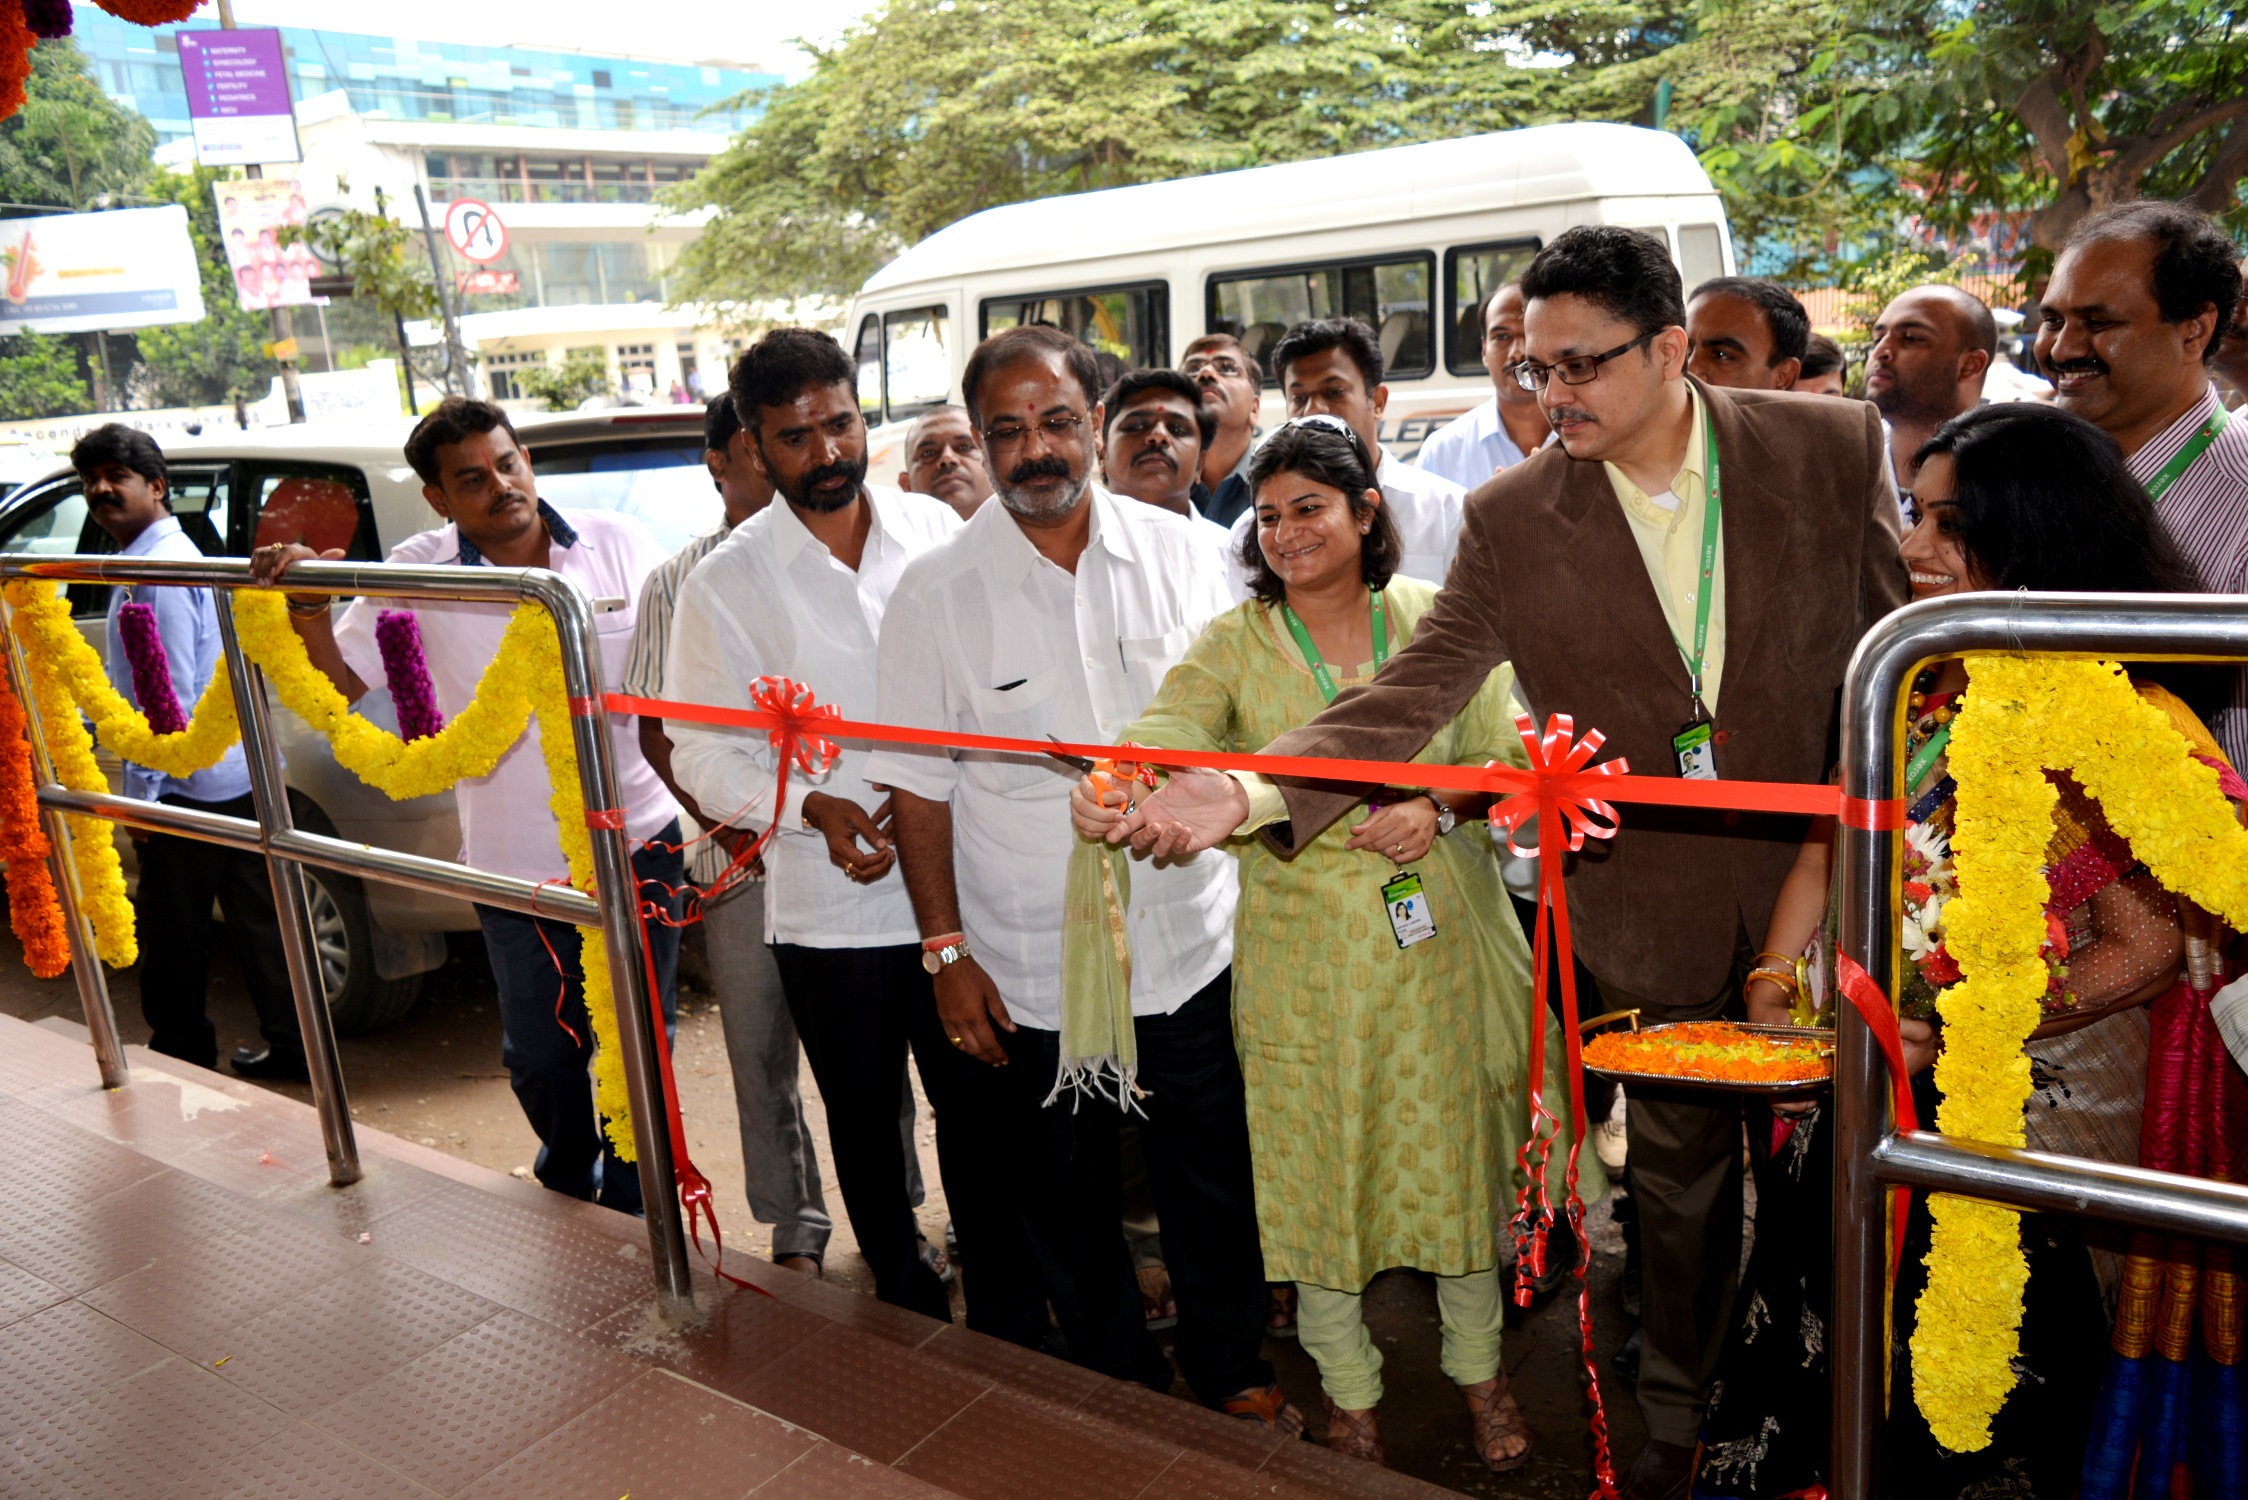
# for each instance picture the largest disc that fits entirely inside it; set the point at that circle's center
(436, 1078)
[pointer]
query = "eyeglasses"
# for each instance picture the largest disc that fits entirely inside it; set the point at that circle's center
(1058, 429)
(1582, 370)
(1225, 366)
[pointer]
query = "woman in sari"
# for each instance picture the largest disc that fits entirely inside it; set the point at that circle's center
(1385, 1058)
(2013, 496)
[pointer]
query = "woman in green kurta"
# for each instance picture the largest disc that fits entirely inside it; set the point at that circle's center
(1385, 1072)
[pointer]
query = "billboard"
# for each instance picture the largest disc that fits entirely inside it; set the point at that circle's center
(128, 268)
(252, 213)
(238, 97)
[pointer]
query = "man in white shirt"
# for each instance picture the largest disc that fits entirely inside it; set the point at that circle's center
(1058, 611)
(1503, 430)
(943, 458)
(1334, 365)
(1154, 431)
(478, 478)
(798, 591)
(128, 494)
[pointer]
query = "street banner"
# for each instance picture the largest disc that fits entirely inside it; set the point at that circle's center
(238, 97)
(70, 273)
(252, 213)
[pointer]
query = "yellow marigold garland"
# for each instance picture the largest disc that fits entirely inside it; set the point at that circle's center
(2023, 716)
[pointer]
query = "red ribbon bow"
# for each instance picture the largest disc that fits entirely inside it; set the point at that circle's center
(795, 736)
(1560, 798)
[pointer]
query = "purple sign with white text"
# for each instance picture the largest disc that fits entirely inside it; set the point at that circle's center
(238, 96)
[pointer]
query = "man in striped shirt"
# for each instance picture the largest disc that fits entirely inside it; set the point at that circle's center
(2130, 325)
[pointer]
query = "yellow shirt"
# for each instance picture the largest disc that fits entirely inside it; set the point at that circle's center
(1670, 544)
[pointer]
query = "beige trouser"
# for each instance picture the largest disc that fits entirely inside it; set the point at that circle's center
(1332, 1328)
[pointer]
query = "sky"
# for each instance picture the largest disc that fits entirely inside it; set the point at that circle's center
(737, 31)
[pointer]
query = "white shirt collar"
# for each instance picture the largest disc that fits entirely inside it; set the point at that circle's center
(156, 530)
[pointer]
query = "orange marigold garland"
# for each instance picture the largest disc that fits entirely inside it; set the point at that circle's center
(16, 42)
(24, 22)
(33, 909)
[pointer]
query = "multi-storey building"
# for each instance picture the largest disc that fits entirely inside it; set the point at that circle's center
(570, 149)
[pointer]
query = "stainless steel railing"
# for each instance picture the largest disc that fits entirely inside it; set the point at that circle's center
(287, 849)
(1869, 1153)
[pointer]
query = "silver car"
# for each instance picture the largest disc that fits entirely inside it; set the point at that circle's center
(348, 486)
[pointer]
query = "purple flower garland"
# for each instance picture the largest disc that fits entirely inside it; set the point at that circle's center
(404, 663)
(152, 668)
(47, 19)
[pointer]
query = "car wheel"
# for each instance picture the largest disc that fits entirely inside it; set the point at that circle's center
(359, 999)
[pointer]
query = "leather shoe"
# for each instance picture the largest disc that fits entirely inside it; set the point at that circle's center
(1663, 1471)
(1625, 1361)
(271, 1065)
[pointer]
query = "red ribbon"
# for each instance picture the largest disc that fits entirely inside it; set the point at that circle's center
(1867, 998)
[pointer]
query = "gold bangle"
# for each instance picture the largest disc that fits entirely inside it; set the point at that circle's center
(1790, 959)
(309, 611)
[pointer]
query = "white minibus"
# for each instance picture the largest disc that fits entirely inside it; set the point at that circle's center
(1409, 238)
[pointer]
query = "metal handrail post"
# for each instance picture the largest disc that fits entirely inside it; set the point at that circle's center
(269, 793)
(85, 960)
(638, 1011)
(2129, 627)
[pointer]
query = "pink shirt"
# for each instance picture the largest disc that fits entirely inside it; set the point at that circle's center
(506, 825)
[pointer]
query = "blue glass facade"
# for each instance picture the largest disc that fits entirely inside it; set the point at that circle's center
(400, 78)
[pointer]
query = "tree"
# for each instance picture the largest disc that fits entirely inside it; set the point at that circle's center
(222, 358)
(582, 373)
(71, 143)
(387, 263)
(39, 377)
(934, 109)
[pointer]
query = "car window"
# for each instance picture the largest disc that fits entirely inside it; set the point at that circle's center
(1392, 297)
(326, 507)
(1130, 322)
(199, 502)
(659, 482)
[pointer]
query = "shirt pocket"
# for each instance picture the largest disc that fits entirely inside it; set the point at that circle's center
(1148, 658)
(613, 633)
(1022, 711)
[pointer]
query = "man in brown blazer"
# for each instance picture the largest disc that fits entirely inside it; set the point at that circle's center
(1584, 566)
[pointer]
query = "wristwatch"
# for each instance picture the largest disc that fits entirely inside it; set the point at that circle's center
(1446, 819)
(951, 951)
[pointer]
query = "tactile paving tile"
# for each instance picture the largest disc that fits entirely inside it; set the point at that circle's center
(1196, 1476)
(1013, 1366)
(477, 1400)
(1191, 1426)
(828, 1472)
(857, 1310)
(66, 1353)
(660, 1435)
(300, 1463)
(1009, 1447)
(22, 1294)
(1331, 1474)
(55, 1162)
(36, 1061)
(78, 1244)
(184, 1300)
(732, 1335)
(326, 1342)
(179, 1423)
(386, 1187)
(547, 1265)
(867, 1394)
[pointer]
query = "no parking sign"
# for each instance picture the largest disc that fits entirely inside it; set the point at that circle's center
(474, 230)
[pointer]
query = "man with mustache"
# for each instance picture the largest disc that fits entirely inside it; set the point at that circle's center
(2129, 329)
(1931, 348)
(798, 591)
(1058, 611)
(943, 459)
(1686, 570)
(128, 494)
(1155, 432)
(479, 480)
(1231, 383)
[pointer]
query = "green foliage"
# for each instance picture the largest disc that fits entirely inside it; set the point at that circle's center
(934, 109)
(222, 358)
(39, 377)
(582, 373)
(71, 143)
(387, 262)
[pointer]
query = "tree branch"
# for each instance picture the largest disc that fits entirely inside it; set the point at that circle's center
(2213, 194)
(2046, 114)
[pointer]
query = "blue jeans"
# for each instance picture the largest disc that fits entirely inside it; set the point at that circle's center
(546, 1067)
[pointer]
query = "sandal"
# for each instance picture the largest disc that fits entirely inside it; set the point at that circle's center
(1267, 1405)
(1157, 1304)
(1497, 1421)
(1280, 1311)
(1354, 1433)
(940, 1266)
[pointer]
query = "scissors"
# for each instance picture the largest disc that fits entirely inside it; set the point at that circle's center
(1105, 770)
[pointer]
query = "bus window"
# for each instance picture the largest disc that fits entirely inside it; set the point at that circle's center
(1393, 297)
(1701, 254)
(1472, 273)
(1130, 322)
(915, 367)
(868, 357)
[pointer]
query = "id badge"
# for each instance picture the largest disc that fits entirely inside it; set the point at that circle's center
(1407, 903)
(1696, 752)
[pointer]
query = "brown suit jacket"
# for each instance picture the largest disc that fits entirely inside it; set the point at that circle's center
(1548, 576)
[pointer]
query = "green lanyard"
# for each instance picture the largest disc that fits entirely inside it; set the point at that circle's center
(1319, 673)
(1925, 757)
(1710, 512)
(2182, 460)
